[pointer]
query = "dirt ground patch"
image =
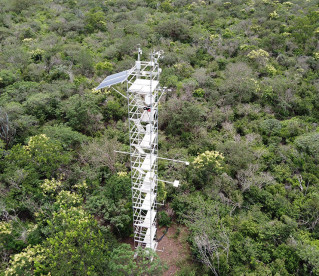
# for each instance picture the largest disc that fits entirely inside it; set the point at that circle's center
(130, 241)
(173, 249)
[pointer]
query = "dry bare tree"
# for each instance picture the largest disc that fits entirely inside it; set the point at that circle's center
(7, 132)
(210, 236)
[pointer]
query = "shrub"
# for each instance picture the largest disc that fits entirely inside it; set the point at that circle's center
(309, 143)
(270, 127)
(164, 219)
(239, 83)
(176, 29)
(292, 128)
(44, 154)
(199, 93)
(76, 244)
(7, 77)
(260, 55)
(95, 20)
(112, 203)
(205, 167)
(37, 55)
(103, 67)
(82, 113)
(65, 135)
(123, 262)
(42, 106)
(19, 91)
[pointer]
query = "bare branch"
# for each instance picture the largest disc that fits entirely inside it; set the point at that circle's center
(7, 132)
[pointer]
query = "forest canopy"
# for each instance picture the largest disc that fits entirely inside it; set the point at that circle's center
(243, 109)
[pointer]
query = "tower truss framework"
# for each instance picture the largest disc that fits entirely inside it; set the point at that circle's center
(143, 95)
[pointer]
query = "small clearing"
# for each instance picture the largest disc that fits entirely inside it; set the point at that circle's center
(174, 248)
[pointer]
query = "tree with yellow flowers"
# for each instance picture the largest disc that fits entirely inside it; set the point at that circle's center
(205, 166)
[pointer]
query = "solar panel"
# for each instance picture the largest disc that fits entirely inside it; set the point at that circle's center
(114, 79)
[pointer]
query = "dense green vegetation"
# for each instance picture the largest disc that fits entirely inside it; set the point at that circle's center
(244, 110)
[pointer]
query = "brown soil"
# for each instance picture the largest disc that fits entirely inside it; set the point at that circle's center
(173, 249)
(130, 241)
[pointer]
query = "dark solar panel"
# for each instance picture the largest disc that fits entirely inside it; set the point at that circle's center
(114, 79)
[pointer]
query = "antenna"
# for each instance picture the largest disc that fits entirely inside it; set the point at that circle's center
(143, 95)
(138, 62)
(139, 52)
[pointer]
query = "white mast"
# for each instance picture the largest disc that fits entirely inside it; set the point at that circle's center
(143, 95)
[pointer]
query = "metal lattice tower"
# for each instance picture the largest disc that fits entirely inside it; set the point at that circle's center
(143, 95)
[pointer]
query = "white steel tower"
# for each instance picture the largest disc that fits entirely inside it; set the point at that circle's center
(143, 94)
